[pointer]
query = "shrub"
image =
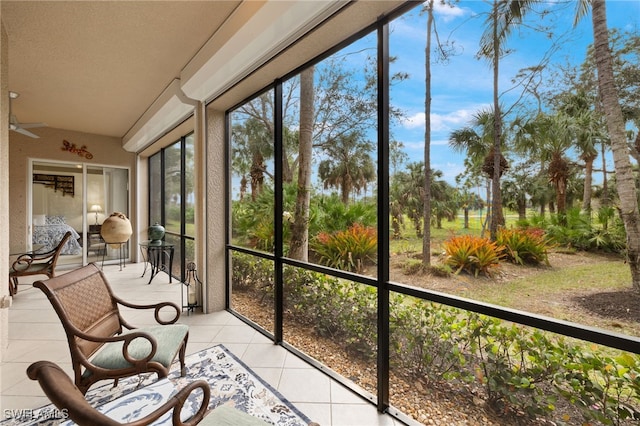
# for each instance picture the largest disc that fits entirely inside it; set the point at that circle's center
(514, 363)
(429, 340)
(250, 272)
(472, 254)
(522, 370)
(412, 266)
(604, 388)
(523, 246)
(330, 214)
(607, 235)
(440, 270)
(347, 250)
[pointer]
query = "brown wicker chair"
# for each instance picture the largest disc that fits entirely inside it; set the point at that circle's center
(100, 346)
(57, 385)
(35, 264)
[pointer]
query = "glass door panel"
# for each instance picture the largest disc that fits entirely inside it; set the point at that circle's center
(57, 207)
(115, 198)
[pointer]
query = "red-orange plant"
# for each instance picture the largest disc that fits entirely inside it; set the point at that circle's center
(348, 249)
(474, 255)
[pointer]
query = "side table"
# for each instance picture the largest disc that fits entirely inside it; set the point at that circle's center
(157, 254)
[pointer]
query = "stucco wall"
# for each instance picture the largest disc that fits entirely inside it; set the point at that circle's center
(4, 186)
(216, 230)
(105, 151)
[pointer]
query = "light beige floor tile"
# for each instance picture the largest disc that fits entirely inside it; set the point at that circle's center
(305, 385)
(264, 355)
(358, 415)
(319, 413)
(269, 375)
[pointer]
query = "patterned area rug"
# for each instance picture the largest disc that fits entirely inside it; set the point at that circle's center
(232, 384)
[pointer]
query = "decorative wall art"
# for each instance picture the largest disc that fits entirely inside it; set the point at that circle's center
(71, 147)
(57, 182)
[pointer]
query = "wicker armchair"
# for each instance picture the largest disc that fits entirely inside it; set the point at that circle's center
(67, 397)
(102, 344)
(35, 264)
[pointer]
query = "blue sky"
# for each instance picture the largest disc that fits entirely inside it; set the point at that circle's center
(464, 85)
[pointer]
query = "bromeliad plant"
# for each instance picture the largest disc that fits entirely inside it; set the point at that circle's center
(348, 250)
(473, 255)
(523, 246)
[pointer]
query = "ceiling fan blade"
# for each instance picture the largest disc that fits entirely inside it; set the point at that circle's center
(32, 125)
(24, 132)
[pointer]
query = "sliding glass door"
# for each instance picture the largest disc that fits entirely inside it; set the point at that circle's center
(77, 197)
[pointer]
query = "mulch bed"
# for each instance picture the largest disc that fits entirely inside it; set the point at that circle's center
(621, 305)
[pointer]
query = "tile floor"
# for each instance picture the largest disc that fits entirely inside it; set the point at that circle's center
(35, 333)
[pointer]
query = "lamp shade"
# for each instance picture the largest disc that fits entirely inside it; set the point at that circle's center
(96, 208)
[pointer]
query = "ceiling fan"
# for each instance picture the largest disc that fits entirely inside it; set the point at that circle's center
(16, 126)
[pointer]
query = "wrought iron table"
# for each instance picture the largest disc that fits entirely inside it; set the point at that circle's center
(159, 256)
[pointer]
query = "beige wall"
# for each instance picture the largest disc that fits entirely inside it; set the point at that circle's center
(4, 188)
(215, 212)
(105, 151)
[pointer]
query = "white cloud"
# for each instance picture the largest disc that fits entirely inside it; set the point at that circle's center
(448, 12)
(414, 121)
(443, 122)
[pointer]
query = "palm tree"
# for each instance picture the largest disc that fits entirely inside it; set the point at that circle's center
(252, 146)
(505, 14)
(586, 128)
(411, 196)
(349, 166)
(625, 182)
(546, 139)
(477, 140)
(516, 186)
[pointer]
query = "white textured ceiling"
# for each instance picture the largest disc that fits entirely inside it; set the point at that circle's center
(96, 66)
(121, 68)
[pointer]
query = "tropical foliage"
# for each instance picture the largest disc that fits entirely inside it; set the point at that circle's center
(518, 370)
(471, 254)
(523, 246)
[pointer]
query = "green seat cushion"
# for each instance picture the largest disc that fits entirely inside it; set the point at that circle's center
(32, 269)
(169, 338)
(228, 416)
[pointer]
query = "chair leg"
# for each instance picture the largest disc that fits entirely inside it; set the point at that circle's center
(183, 350)
(13, 289)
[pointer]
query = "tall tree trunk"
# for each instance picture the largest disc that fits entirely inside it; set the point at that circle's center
(588, 183)
(257, 175)
(426, 237)
(522, 207)
(299, 244)
(561, 200)
(605, 201)
(625, 182)
(497, 218)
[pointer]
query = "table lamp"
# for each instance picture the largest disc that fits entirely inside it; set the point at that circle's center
(97, 209)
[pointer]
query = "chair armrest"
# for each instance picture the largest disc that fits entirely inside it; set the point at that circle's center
(26, 259)
(177, 402)
(156, 306)
(125, 338)
(57, 385)
(23, 262)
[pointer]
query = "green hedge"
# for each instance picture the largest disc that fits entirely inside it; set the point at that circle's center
(519, 369)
